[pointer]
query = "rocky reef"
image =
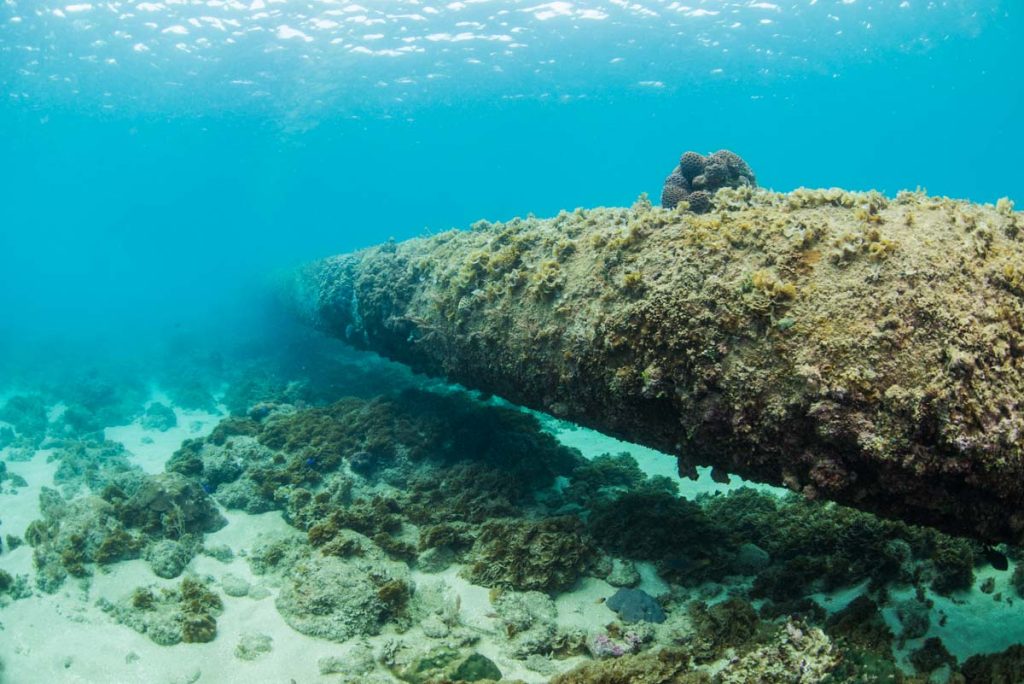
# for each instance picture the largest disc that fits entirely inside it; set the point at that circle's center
(410, 484)
(848, 346)
(160, 517)
(186, 613)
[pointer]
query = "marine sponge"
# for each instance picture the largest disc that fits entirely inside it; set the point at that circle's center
(700, 202)
(734, 163)
(691, 164)
(677, 179)
(675, 189)
(697, 178)
(671, 195)
(716, 174)
(705, 176)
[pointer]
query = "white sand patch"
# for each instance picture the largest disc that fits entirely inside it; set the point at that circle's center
(584, 607)
(66, 638)
(152, 448)
(245, 530)
(592, 444)
(20, 508)
(650, 580)
(971, 616)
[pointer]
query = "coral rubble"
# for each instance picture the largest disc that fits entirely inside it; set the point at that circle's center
(162, 517)
(186, 613)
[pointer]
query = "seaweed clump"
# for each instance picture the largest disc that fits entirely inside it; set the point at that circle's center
(531, 555)
(1005, 667)
(73, 535)
(816, 546)
(259, 465)
(726, 624)
(653, 524)
(380, 467)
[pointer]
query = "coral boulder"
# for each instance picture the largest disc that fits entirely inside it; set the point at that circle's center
(697, 178)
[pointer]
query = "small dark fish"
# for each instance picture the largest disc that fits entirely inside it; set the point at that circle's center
(996, 559)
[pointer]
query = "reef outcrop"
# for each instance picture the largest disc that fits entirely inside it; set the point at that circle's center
(697, 177)
(849, 346)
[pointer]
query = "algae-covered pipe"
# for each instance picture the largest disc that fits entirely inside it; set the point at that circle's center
(848, 346)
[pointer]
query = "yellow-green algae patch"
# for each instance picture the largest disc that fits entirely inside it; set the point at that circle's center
(850, 346)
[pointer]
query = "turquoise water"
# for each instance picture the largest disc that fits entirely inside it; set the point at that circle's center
(160, 158)
(164, 164)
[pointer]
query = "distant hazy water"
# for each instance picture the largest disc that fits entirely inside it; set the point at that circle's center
(160, 158)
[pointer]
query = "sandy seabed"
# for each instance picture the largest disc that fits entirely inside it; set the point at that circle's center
(66, 637)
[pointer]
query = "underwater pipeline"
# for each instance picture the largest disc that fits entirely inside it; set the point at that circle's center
(852, 347)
